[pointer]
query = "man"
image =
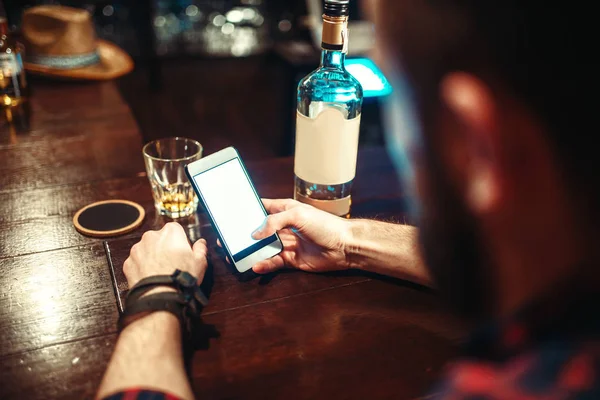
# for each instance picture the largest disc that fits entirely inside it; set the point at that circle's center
(506, 179)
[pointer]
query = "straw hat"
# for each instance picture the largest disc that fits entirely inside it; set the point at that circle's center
(61, 42)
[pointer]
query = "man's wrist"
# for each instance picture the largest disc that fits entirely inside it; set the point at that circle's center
(178, 294)
(159, 289)
(163, 317)
(353, 237)
(157, 321)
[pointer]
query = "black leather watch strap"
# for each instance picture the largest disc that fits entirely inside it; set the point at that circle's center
(181, 280)
(147, 284)
(167, 301)
(186, 303)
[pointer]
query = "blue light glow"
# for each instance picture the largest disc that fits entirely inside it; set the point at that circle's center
(371, 78)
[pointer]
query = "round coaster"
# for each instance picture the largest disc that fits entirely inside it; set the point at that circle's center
(109, 218)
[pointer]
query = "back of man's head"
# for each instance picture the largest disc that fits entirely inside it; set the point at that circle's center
(542, 52)
(540, 56)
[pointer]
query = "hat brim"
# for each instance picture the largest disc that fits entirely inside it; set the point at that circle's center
(114, 62)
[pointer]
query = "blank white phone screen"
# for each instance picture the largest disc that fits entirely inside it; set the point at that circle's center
(232, 202)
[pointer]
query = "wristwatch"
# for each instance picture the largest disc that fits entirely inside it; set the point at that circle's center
(186, 303)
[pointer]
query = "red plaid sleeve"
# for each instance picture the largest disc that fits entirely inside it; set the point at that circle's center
(558, 370)
(141, 394)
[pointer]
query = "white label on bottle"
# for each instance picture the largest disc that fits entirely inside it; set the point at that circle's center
(326, 147)
(9, 64)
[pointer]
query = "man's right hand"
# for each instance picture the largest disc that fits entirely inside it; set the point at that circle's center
(313, 240)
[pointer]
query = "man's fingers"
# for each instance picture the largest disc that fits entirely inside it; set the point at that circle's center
(287, 235)
(200, 248)
(174, 227)
(277, 222)
(270, 265)
(280, 205)
(219, 243)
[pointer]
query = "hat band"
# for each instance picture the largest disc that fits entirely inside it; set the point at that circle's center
(65, 62)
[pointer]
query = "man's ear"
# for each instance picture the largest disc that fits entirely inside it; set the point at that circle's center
(471, 103)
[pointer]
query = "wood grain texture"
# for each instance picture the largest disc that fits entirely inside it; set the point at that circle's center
(70, 370)
(227, 290)
(60, 109)
(291, 334)
(69, 130)
(66, 102)
(46, 222)
(64, 201)
(78, 133)
(367, 340)
(220, 103)
(82, 159)
(55, 297)
(47, 234)
(274, 179)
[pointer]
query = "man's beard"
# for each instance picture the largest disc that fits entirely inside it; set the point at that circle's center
(452, 248)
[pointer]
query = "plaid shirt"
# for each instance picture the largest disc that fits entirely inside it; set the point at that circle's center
(548, 351)
(141, 394)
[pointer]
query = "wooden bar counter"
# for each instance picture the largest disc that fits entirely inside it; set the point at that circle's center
(287, 336)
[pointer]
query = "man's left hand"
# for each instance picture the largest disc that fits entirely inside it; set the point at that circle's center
(162, 252)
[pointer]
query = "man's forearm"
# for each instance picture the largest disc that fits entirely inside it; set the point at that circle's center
(149, 355)
(387, 249)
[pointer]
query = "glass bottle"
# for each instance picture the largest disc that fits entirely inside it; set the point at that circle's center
(328, 121)
(13, 84)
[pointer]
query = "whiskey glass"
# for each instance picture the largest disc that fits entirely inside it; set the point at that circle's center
(165, 161)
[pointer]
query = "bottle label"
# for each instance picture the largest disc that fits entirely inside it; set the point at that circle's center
(326, 147)
(10, 64)
(335, 34)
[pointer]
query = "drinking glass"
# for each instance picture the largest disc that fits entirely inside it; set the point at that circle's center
(165, 161)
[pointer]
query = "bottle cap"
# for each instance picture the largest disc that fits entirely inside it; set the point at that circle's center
(337, 8)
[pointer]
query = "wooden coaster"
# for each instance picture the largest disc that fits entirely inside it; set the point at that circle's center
(109, 218)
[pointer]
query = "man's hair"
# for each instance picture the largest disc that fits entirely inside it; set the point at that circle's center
(543, 53)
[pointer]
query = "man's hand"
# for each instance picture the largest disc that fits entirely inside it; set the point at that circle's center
(148, 353)
(313, 240)
(316, 241)
(162, 252)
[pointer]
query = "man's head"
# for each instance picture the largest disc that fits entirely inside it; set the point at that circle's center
(505, 157)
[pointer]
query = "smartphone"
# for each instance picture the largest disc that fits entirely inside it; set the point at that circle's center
(234, 207)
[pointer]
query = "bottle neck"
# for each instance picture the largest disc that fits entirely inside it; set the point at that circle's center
(333, 59)
(3, 26)
(3, 20)
(334, 41)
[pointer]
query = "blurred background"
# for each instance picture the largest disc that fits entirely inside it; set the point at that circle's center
(225, 71)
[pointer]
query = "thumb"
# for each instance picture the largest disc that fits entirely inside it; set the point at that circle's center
(277, 222)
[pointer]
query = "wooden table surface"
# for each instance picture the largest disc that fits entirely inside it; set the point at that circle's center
(291, 335)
